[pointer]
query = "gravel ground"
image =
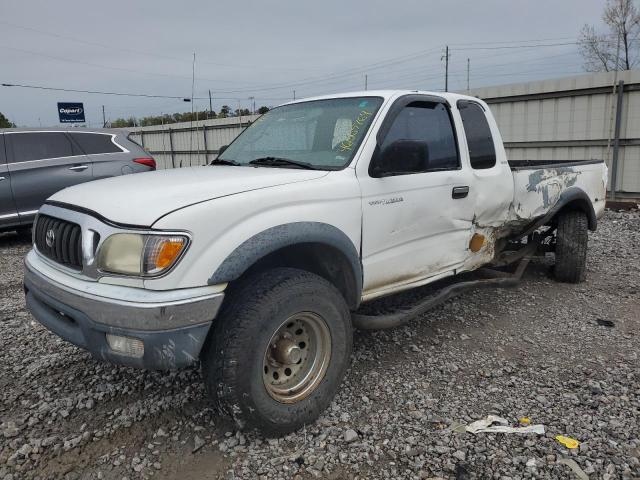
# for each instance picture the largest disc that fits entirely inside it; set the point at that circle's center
(566, 356)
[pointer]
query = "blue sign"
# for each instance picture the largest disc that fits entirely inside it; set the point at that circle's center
(71, 112)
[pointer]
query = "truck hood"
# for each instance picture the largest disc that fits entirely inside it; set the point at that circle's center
(142, 198)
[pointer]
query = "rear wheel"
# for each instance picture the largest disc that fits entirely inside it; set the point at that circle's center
(279, 351)
(571, 247)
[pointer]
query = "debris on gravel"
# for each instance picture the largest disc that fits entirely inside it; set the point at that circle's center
(563, 355)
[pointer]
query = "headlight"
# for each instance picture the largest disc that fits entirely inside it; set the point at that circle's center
(139, 254)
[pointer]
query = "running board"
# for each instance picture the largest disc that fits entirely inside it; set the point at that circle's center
(392, 320)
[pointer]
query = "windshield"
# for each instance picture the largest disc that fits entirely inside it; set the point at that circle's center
(322, 134)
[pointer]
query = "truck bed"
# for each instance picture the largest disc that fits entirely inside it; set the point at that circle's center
(538, 185)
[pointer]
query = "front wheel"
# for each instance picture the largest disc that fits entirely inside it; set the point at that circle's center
(279, 351)
(571, 246)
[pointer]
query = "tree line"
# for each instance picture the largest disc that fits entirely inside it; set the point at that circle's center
(5, 123)
(225, 111)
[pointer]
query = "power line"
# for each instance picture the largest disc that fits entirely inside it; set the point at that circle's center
(509, 47)
(350, 72)
(383, 64)
(511, 42)
(97, 92)
(123, 94)
(108, 67)
(112, 47)
(306, 81)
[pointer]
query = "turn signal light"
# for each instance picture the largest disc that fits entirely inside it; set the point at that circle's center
(168, 253)
(161, 252)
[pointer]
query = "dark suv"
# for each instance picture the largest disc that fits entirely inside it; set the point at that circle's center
(36, 163)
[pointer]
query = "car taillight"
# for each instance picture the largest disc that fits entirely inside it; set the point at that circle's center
(149, 162)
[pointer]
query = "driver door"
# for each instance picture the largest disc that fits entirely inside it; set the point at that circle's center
(417, 213)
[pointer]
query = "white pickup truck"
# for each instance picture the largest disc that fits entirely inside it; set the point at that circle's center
(256, 264)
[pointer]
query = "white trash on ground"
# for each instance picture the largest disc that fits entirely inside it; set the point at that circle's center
(572, 464)
(495, 424)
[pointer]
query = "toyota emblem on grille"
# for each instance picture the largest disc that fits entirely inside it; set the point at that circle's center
(50, 238)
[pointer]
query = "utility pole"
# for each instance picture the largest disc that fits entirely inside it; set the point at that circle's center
(611, 127)
(210, 106)
(104, 120)
(445, 57)
(468, 68)
(294, 94)
(193, 81)
(193, 84)
(366, 78)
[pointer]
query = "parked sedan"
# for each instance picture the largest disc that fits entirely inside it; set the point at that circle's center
(36, 163)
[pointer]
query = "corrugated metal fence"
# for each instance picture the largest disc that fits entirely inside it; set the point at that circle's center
(563, 119)
(189, 144)
(574, 118)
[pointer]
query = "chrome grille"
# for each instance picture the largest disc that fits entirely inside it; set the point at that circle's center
(59, 240)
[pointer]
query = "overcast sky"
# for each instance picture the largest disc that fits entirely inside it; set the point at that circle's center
(266, 49)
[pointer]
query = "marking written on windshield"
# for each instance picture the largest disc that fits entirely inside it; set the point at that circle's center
(347, 144)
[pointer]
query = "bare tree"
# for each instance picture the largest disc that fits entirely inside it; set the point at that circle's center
(601, 51)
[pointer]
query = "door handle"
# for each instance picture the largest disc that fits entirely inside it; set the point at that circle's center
(460, 192)
(79, 168)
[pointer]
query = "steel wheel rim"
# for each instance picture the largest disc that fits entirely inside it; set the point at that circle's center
(296, 358)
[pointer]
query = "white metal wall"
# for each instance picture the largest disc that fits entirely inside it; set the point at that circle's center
(194, 143)
(570, 119)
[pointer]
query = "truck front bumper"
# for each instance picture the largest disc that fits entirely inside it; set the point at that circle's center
(172, 328)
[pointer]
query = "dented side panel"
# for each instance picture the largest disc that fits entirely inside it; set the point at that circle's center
(492, 190)
(538, 190)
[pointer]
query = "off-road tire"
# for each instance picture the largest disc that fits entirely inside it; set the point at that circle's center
(232, 359)
(571, 247)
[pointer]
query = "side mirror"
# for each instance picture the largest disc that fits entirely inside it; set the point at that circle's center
(400, 157)
(222, 149)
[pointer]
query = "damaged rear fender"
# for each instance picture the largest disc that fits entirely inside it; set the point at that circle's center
(573, 198)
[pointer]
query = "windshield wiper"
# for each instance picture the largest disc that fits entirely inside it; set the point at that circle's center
(222, 161)
(278, 161)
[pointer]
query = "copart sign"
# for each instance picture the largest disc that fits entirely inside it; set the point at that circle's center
(71, 112)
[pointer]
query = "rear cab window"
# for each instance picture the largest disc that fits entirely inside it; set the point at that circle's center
(95, 143)
(482, 151)
(30, 146)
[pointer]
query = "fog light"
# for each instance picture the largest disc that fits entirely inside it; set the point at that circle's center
(131, 347)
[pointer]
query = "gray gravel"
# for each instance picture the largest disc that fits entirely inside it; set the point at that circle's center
(543, 351)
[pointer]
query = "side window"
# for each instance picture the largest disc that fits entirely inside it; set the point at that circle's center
(482, 151)
(95, 143)
(40, 145)
(420, 139)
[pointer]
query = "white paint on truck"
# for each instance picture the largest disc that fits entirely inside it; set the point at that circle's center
(424, 191)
